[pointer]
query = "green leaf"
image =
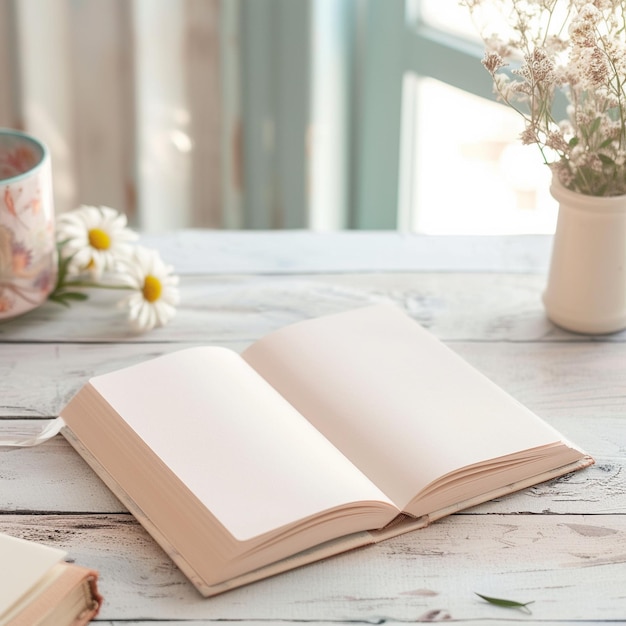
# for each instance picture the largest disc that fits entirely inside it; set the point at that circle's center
(55, 298)
(74, 295)
(509, 604)
(606, 143)
(64, 297)
(573, 142)
(595, 125)
(606, 160)
(63, 268)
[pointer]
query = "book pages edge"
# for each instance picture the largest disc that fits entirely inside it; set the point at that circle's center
(317, 553)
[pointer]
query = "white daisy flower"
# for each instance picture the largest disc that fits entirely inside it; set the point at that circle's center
(155, 296)
(96, 238)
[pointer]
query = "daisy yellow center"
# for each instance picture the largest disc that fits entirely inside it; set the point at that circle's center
(152, 288)
(99, 240)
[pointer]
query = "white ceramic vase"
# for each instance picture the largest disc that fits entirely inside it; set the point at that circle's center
(586, 289)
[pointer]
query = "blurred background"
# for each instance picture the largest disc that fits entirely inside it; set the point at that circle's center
(268, 114)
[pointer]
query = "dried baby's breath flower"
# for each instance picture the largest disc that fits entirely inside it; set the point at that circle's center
(529, 135)
(556, 141)
(537, 69)
(493, 62)
(574, 46)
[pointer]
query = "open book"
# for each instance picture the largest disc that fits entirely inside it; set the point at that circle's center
(323, 436)
(37, 588)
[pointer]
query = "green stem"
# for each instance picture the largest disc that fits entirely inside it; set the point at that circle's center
(81, 284)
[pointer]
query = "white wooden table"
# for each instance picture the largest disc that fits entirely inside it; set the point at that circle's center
(560, 544)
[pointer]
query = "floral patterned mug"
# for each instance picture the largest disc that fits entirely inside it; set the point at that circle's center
(28, 261)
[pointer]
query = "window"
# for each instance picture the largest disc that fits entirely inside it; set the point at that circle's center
(325, 114)
(462, 168)
(500, 185)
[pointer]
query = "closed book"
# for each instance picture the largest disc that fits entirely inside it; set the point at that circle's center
(38, 588)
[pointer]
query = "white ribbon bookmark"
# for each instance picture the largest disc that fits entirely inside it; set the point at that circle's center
(27, 440)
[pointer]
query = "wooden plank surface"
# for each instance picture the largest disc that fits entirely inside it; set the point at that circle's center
(538, 374)
(504, 308)
(301, 251)
(561, 544)
(564, 563)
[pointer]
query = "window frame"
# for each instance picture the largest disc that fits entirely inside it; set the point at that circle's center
(397, 42)
(291, 178)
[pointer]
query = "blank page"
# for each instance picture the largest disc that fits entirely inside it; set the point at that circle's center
(399, 403)
(244, 451)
